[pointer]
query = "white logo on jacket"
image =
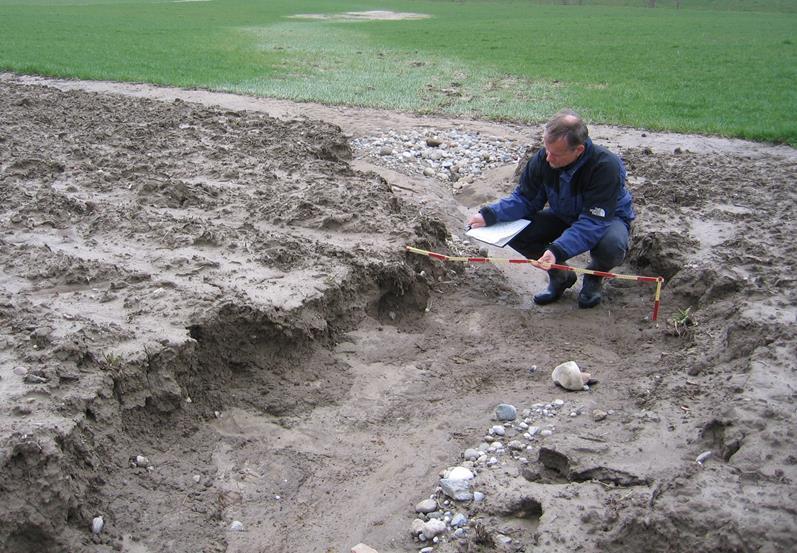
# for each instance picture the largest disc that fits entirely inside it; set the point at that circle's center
(598, 212)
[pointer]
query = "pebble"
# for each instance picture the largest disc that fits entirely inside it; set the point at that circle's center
(456, 489)
(426, 506)
(363, 548)
(545, 432)
(599, 415)
(433, 528)
(505, 412)
(197, 478)
(703, 457)
(20, 371)
(426, 550)
(97, 524)
(478, 497)
(459, 533)
(558, 402)
(459, 520)
(416, 527)
(141, 461)
(471, 454)
(516, 445)
(236, 526)
(460, 473)
(498, 430)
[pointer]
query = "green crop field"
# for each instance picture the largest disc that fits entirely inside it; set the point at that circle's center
(707, 66)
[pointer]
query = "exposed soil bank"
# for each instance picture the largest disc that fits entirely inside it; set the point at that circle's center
(213, 283)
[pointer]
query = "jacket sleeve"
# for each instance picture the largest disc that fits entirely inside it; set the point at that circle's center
(526, 199)
(600, 203)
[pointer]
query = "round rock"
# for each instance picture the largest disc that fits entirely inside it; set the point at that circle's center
(426, 506)
(236, 526)
(505, 412)
(471, 454)
(498, 430)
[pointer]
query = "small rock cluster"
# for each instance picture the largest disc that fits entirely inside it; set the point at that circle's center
(447, 156)
(443, 515)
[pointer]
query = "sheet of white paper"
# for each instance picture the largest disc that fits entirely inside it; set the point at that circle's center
(498, 234)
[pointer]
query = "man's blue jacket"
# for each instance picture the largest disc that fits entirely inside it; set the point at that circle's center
(588, 195)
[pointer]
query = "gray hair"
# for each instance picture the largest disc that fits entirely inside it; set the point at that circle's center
(568, 124)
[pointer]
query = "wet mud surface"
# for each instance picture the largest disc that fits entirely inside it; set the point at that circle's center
(208, 316)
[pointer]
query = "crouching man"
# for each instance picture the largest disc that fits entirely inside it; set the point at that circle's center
(588, 208)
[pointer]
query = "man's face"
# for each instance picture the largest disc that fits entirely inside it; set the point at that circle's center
(559, 154)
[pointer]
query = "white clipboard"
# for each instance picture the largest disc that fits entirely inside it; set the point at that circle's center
(498, 234)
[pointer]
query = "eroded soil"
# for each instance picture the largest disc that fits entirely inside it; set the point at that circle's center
(214, 283)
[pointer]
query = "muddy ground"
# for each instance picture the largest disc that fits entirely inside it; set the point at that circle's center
(219, 285)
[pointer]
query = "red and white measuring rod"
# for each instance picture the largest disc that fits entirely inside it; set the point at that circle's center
(658, 280)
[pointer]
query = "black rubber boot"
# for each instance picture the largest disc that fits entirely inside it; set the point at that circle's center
(590, 294)
(558, 282)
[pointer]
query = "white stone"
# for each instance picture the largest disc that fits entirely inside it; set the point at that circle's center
(433, 528)
(426, 506)
(460, 473)
(569, 376)
(471, 454)
(417, 527)
(703, 457)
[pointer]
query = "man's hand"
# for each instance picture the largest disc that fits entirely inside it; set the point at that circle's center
(547, 259)
(476, 221)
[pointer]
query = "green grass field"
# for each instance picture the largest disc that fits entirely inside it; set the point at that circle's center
(714, 67)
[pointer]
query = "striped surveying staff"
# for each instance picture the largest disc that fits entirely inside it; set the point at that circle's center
(658, 280)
